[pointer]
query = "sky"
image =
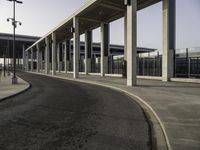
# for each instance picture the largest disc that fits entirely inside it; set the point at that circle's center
(40, 16)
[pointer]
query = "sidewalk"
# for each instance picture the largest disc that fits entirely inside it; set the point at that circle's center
(7, 89)
(176, 104)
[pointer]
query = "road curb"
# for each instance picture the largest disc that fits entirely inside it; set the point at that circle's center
(159, 136)
(18, 93)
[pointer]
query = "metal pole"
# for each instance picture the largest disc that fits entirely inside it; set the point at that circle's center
(8, 57)
(14, 79)
(4, 67)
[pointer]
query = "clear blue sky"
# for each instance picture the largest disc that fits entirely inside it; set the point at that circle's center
(40, 16)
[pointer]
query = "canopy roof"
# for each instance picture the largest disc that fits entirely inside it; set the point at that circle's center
(91, 15)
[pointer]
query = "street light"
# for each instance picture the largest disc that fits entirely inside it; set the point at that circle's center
(4, 65)
(14, 23)
(8, 56)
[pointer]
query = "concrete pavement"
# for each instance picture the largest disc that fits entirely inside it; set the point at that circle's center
(65, 115)
(176, 106)
(7, 89)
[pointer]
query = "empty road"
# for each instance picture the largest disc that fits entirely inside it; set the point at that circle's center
(64, 115)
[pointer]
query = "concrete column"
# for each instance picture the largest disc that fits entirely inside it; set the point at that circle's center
(46, 55)
(67, 48)
(131, 42)
(125, 36)
(24, 57)
(41, 61)
(61, 56)
(76, 47)
(38, 58)
(88, 51)
(53, 54)
(27, 60)
(105, 42)
(58, 57)
(31, 59)
(169, 39)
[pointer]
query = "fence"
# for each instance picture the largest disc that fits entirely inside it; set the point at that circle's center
(95, 65)
(81, 65)
(150, 65)
(187, 63)
(146, 65)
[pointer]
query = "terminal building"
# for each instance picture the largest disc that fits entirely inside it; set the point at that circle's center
(24, 41)
(21, 43)
(55, 52)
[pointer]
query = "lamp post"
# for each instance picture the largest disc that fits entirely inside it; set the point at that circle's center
(4, 65)
(14, 23)
(8, 57)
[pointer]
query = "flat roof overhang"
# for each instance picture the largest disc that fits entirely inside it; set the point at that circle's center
(91, 15)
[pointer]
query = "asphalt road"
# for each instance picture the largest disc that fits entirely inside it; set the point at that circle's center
(64, 115)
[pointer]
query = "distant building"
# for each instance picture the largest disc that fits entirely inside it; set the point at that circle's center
(24, 41)
(6, 44)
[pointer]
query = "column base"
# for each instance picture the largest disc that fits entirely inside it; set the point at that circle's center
(53, 73)
(104, 67)
(88, 66)
(164, 79)
(14, 80)
(131, 83)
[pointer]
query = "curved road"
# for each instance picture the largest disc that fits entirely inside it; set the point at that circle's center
(64, 115)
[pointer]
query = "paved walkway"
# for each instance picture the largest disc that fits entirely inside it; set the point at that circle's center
(7, 89)
(176, 104)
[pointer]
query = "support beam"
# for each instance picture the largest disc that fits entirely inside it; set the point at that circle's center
(112, 6)
(67, 48)
(38, 58)
(169, 38)
(131, 42)
(125, 36)
(89, 19)
(53, 54)
(88, 51)
(41, 62)
(76, 47)
(61, 56)
(27, 60)
(58, 56)
(24, 57)
(46, 55)
(31, 59)
(105, 42)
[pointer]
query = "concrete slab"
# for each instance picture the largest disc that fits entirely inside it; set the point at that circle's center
(7, 89)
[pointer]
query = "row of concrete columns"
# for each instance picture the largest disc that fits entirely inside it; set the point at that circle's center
(130, 52)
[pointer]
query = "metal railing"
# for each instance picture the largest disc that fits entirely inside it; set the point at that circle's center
(95, 65)
(149, 66)
(146, 65)
(187, 63)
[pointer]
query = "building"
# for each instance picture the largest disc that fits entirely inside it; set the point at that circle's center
(21, 43)
(99, 13)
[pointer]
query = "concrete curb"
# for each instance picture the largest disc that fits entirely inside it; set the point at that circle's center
(18, 93)
(159, 136)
